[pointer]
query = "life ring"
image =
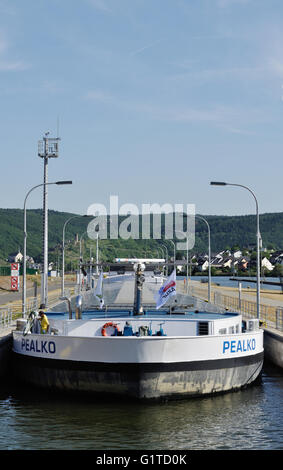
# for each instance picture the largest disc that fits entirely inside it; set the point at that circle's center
(107, 325)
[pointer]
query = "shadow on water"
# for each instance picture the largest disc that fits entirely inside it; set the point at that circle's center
(248, 419)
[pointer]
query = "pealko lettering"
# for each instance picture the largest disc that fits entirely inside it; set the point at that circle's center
(242, 345)
(39, 346)
(168, 292)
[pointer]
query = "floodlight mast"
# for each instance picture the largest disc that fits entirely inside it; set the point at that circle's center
(47, 148)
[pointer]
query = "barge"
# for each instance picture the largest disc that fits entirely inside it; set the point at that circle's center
(151, 354)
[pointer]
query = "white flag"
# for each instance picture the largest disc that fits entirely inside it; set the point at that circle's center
(167, 290)
(98, 291)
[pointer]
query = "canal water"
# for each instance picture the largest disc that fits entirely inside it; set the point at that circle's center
(226, 281)
(251, 419)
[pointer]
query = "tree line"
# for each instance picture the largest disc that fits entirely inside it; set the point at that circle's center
(226, 231)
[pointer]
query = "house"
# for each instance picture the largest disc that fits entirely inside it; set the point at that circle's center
(227, 262)
(202, 263)
(36, 266)
(237, 254)
(224, 253)
(243, 263)
(181, 264)
(16, 257)
(276, 258)
(216, 262)
(30, 261)
(265, 263)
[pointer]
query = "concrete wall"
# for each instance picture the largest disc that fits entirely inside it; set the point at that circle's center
(5, 354)
(273, 347)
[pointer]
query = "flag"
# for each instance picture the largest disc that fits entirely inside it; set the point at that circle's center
(167, 290)
(98, 291)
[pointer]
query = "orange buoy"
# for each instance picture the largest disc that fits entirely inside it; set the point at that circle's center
(107, 325)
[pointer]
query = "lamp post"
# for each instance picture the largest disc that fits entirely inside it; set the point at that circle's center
(97, 257)
(209, 256)
(258, 238)
(80, 262)
(174, 252)
(63, 250)
(187, 249)
(167, 258)
(158, 249)
(25, 241)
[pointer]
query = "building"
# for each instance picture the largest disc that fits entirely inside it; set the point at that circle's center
(16, 257)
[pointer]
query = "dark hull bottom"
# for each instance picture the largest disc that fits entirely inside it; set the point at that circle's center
(140, 381)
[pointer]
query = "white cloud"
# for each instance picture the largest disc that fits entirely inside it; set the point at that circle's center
(148, 46)
(232, 73)
(229, 118)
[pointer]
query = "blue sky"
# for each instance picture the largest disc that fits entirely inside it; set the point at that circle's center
(154, 98)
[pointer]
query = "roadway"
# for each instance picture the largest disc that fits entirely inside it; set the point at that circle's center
(7, 297)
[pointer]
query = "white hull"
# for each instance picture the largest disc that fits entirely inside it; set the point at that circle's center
(139, 367)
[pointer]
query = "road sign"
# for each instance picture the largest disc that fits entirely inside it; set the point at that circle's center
(15, 269)
(14, 282)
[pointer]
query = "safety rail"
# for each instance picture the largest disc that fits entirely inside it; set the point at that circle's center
(13, 311)
(5, 317)
(279, 318)
(270, 316)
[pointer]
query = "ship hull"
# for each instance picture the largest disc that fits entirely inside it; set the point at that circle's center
(148, 375)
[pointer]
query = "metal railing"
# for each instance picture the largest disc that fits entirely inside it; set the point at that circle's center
(279, 318)
(5, 317)
(10, 313)
(270, 316)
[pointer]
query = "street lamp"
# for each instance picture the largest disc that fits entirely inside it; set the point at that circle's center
(63, 250)
(167, 258)
(97, 259)
(174, 252)
(258, 238)
(80, 262)
(187, 249)
(209, 256)
(25, 241)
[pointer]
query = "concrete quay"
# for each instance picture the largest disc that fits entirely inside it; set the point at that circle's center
(13, 300)
(5, 351)
(273, 346)
(270, 300)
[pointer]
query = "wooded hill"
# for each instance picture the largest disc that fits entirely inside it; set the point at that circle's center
(226, 232)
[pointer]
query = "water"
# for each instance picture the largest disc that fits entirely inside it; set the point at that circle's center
(225, 281)
(33, 419)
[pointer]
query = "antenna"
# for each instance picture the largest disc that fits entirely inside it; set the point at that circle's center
(57, 127)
